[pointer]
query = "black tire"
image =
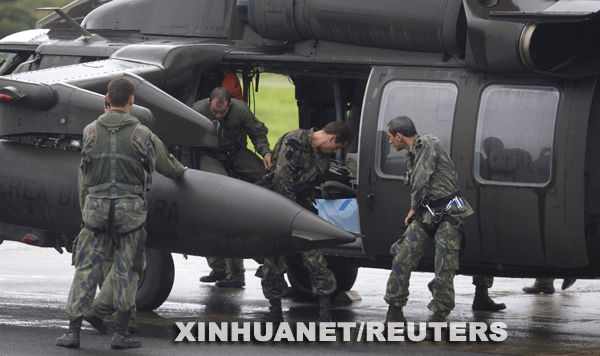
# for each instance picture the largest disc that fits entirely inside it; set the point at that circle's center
(156, 281)
(345, 276)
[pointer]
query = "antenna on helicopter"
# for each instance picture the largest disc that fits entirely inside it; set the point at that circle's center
(85, 33)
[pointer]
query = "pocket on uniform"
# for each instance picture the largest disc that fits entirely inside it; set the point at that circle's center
(452, 248)
(95, 212)
(395, 249)
(91, 204)
(130, 214)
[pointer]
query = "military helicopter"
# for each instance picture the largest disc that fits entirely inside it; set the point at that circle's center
(510, 87)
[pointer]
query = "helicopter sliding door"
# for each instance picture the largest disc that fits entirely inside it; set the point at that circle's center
(528, 171)
(429, 98)
(518, 145)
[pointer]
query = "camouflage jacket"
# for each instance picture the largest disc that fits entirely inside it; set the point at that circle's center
(432, 173)
(297, 167)
(134, 140)
(239, 120)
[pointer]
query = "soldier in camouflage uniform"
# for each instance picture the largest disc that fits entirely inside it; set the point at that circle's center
(232, 118)
(118, 157)
(301, 159)
(104, 304)
(435, 185)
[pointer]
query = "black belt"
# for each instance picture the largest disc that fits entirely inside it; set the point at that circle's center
(438, 205)
(441, 202)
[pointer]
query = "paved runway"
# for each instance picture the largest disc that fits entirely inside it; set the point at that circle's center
(34, 284)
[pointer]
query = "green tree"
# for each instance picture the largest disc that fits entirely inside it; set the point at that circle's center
(19, 16)
(14, 19)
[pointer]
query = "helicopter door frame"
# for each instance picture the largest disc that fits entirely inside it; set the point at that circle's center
(429, 97)
(523, 224)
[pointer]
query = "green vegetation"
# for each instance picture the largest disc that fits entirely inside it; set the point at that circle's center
(275, 105)
(21, 15)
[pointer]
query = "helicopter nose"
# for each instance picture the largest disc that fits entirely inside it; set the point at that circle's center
(310, 227)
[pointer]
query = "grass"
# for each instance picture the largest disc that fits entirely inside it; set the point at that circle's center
(275, 105)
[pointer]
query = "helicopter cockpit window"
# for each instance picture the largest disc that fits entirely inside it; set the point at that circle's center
(6, 59)
(515, 135)
(10, 61)
(431, 107)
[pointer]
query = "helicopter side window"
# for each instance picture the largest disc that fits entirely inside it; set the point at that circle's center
(6, 59)
(11, 62)
(430, 105)
(515, 135)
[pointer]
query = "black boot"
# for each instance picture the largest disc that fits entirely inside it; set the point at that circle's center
(275, 314)
(482, 301)
(121, 338)
(96, 322)
(395, 315)
(429, 332)
(325, 309)
(71, 338)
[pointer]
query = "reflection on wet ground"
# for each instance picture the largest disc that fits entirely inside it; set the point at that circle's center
(34, 284)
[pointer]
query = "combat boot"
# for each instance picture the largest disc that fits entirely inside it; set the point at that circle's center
(430, 332)
(96, 322)
(325, 309)
(121, 338)
(275, 314)
(71, 338)
(395, 315)
(482, 301)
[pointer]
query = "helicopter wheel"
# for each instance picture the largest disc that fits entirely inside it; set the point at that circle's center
(345, 276)
(156, 281)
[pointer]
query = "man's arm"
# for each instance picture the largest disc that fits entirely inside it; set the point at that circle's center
(287, 168)
(166, 163)
(424, 167)
(257, 131)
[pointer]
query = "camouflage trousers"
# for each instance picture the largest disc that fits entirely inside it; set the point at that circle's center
(104, 303)
(409, 250)
(322, 279)
(92, 248)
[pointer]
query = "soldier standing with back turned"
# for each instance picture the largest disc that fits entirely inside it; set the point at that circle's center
(118, 157)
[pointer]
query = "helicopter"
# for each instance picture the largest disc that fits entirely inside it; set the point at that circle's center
(510, 88)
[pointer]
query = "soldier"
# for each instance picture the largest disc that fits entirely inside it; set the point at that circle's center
(301, 159)
(118, 157)
(232, 118)
(104, 304)
(436, 213)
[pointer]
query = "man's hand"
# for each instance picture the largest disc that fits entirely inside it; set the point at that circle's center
(411, 213)
(267, 161)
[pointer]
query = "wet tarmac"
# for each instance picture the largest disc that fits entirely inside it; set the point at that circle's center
(34, 285)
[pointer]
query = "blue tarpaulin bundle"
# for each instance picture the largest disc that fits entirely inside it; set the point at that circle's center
(341, 212)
